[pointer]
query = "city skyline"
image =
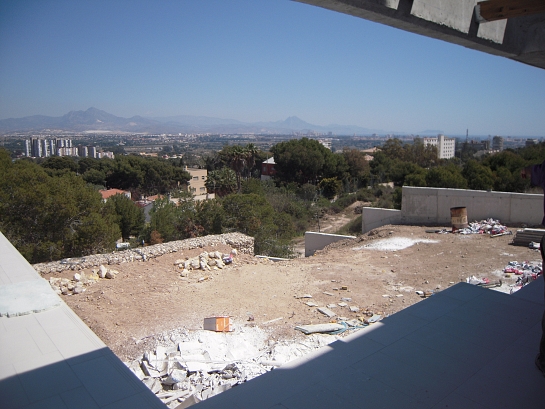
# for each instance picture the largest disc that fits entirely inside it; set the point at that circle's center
(255, 61)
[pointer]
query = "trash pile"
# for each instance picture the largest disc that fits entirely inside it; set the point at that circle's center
(487, 226)
(192, 366)
(526, 272)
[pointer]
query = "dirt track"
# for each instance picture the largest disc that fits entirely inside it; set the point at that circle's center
(148, 298)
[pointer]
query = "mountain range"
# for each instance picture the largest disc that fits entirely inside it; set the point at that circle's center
(97, 120)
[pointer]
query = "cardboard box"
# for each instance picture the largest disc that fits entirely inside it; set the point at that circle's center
(218, 324)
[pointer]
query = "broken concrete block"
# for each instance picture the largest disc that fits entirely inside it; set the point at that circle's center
(192, 366)
(153, 384)
(353, 308)
(331, 306)
(77, 277)
(342, 304)
(327, 293)
(347, 299)
(311, 304)
(327, 312)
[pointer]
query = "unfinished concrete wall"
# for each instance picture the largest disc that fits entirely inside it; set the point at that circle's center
(426, 205)
(372, 218)
(317, 241)
(432, 205)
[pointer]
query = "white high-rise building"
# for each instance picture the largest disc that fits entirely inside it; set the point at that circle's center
(445, 146)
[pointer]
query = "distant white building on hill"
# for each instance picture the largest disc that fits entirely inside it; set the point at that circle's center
(445, 146)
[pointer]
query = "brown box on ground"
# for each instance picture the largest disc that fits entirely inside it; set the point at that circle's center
(218, 324)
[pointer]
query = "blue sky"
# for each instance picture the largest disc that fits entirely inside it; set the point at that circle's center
(255, 60)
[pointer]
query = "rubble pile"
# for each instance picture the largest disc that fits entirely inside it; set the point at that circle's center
(80, 280)
(244, 244)
(205, 261)
(190, 367)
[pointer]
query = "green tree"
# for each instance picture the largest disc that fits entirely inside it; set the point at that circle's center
(306, 161)
(130, 218)
(478, 177)
(221, 182)
(49, 217)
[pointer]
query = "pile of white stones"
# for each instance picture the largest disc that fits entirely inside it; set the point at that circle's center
(205, 261)
(78, 283)
(206, 363)
(244, 244)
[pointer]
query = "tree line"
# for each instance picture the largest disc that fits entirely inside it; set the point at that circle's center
(51, 209)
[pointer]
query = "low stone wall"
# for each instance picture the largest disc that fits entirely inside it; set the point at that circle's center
(239, 241)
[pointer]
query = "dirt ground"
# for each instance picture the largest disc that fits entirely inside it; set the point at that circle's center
(150, 298)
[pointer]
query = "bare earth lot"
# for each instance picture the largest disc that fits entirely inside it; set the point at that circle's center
(149, 298)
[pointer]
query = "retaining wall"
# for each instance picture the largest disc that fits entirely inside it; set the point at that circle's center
(426, 205)
(317, 241)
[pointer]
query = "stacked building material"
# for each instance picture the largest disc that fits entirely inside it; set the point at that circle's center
(526, 236)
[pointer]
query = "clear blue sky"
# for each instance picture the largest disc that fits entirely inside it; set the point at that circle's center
(254, 60)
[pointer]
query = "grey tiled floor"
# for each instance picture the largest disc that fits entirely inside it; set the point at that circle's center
(51, 359)
(465, 347)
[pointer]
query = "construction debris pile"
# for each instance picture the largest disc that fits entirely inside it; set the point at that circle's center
(487, 226)
(187, 367)
(526, 272)
(244, 244)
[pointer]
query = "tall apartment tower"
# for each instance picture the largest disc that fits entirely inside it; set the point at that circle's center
(28, 148)
(497, 143)
(445, 146)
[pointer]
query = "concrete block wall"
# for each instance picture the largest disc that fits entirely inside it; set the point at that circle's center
(372, 218)
(317, 241)
(432, 205)
(425, 205)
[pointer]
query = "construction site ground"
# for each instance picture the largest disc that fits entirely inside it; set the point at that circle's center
(148, 299)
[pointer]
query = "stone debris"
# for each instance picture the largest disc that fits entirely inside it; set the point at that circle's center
(326, 311)
(198, 365)
(353, 308)
(240, 243)
(80, 280)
